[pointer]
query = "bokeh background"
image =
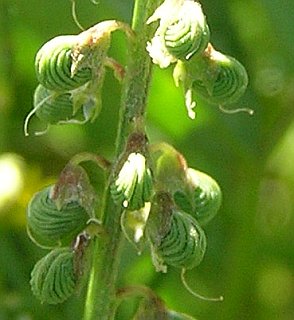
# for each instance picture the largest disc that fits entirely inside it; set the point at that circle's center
(250, 256)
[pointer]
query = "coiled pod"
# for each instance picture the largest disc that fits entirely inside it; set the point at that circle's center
(52, 107)
(187, 33)
(53, 279)
(185, 243)
(217, 78)
(224, 81)
(54, 65)
(204, 199)
(176, 237)
(49, 227)
(132, 187)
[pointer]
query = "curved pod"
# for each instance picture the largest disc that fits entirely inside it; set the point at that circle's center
(53, 279)
(204, 199)
(223, 82)
(183, 244)
(49, 227)
(54, 65)
(52, 107)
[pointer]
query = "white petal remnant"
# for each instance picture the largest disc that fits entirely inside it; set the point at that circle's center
(156, 48)
(132, 187)
(166, 11)
(158, 52)
(182, 32)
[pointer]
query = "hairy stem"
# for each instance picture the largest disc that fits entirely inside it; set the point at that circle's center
(138, 74)
(101, 297)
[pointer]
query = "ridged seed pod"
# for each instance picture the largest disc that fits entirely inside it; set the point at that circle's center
(205, 198)
(185, 243)
(53, 279)
(133, 185)
(188, 33)
(53, 107)
(213, 76)
(49, 227)
(228, 84)
(53, 65)
(176, 237)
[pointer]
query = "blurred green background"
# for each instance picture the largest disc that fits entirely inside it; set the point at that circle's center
(250, 256)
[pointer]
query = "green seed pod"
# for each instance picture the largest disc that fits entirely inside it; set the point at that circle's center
(224, 81)
(53, 279)
(49, 227)
(204, 199)
(176, 237)
(133, 186)
(54, 65)
(53, 107)
(185, 243)
(187, 33)
(217, 78)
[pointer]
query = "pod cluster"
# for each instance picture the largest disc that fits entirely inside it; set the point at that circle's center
(70, 70)
(164, 202)
(185, 200)
(183, 37)
(66, 83)
(63, 230)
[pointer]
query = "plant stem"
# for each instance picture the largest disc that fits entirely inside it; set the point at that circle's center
(137, 80)
(101, 295)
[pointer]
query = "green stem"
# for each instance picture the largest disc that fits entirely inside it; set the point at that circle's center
(101, 297)
(137, 80)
